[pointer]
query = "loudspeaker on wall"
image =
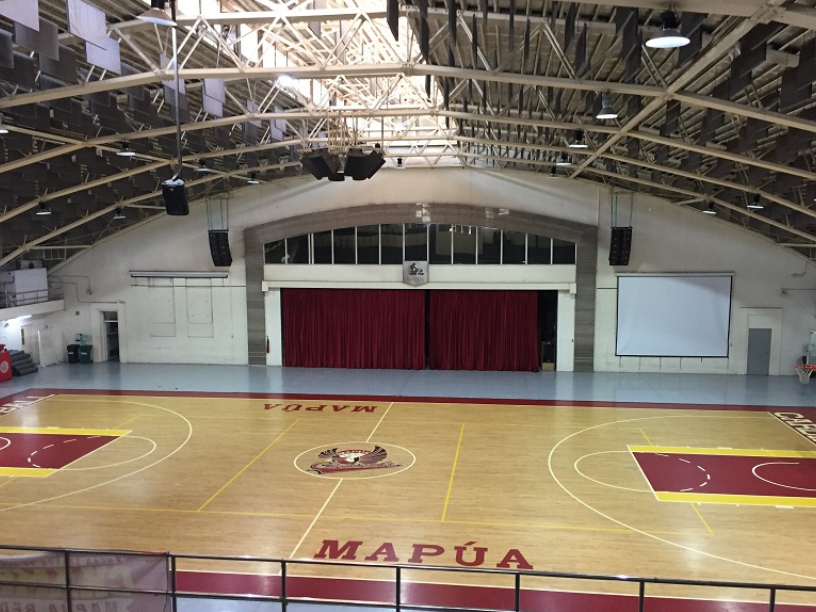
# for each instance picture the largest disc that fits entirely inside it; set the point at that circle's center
(219, 248)
(620, 246)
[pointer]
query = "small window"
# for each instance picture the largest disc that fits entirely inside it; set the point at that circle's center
(322, 247)
(297, 250)
(441, 239)
(391, 237)
(538, 250)
(514, 248)
(489, 245)
(563, 252)
(416, 242)
(344, 251)
(275, 252)
(368, 244)
(464, 244)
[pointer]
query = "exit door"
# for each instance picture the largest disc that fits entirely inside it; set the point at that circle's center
(759, 351)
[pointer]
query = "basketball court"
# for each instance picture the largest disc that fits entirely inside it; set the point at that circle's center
(681, 491)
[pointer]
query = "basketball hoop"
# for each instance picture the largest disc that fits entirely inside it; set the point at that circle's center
(804, 371)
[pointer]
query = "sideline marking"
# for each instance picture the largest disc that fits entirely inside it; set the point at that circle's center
(317, 516)
(746, 500)
(247, 466)
(66, 432)
(453, 473)
(694, 507)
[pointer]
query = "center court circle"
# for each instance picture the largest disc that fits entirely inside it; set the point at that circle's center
(355, 460)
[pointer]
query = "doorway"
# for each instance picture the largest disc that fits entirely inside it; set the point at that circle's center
(547, 328)
(759, 351)
(110, 335)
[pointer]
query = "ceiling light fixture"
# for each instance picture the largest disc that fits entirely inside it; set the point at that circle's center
(120, 215)
(253, 179)
(563, 161)
(554, 171)
(157, 14)
(607, 112)
(578, 141)
(3, 128)
(203, 168)
(126, 151)
(756, 203)
(286, 81)
(400, 165)
(710, 210)
(44, 210)
(669, 36)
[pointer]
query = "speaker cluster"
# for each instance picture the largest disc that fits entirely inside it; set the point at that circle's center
(355, 164)
(620, 246)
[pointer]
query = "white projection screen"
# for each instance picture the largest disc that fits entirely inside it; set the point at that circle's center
(673, 315)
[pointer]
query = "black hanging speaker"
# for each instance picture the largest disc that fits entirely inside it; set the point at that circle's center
(219, 248)
(175, 197)
(620, 246)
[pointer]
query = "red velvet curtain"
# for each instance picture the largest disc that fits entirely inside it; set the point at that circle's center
(484, 330)
(350, 328)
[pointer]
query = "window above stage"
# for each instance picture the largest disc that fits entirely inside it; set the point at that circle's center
(438, 243)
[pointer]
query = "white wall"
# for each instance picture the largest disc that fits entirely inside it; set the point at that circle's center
(666, 239)
(669, 238)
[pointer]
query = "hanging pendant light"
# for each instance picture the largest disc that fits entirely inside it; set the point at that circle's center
(669, 36)
(157, 14)
(607, 111)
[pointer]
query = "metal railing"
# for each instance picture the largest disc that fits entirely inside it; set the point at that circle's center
(13, 299)
(61, 581)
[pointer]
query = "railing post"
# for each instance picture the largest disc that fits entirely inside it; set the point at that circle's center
(772, 604)
(641, 596)
(398, 594)
(68, 581)
(283, 586)
(517, 607)
(173, 583)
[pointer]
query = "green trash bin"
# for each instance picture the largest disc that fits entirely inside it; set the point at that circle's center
(85, 353)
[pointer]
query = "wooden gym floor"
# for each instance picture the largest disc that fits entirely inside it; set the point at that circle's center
(675, 491)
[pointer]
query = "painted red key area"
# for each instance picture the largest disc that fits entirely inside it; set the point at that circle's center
(52, 451)
(730, 474)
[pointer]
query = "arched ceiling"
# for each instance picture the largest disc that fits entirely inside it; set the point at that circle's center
(721, 123)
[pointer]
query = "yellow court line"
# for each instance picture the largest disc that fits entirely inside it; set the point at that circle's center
(165, 510)
(647, 437)
(740, 452)
(247, 466)
(746, 500)
(26, 472)
(64, 432)
(453, 473)
(694, 507)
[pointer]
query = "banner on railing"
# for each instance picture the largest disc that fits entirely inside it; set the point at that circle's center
(40, 582)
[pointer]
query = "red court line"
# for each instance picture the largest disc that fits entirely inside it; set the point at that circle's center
(451, 596)
(402, 398)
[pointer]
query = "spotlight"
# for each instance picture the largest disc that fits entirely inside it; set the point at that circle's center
(125, 151)
(563, 161)
(669, 36)
(253, 179)
(3, 128)
(756, 204)
(203, 168)
(157, 14)
(607, 111)
(578, 141)
(400, 165)
(119, 216)
(710, 210)
(44, 210)
(554, 171)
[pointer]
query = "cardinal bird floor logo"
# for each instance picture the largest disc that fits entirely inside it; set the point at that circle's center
(354, 460)
(336, 460)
